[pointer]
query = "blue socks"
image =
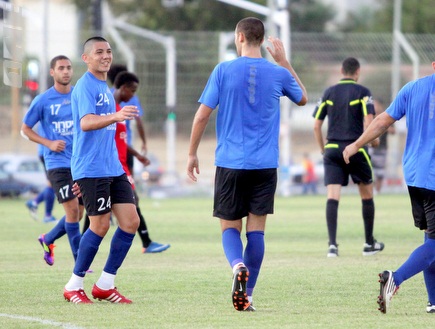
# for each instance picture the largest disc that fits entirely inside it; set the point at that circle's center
(253, 257)
(119, 247)
(56, 232)
(89, 244)
(421, 259)
(49, 200)
(233, 247)
(73, 232)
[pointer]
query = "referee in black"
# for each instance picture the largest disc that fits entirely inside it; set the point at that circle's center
(349, 107)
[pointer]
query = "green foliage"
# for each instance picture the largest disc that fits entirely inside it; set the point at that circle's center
(417, 17)
(188, 286)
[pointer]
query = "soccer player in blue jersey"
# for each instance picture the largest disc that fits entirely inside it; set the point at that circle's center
(416, 102)
(96, 168)
(52, 110)
(349, 107)
(247, 91)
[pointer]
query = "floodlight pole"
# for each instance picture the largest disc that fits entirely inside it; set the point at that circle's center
(168, 42)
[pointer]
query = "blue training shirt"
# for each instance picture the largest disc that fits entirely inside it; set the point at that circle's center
(248, 92)
(416, 100)
(94, 152)
(53, 112)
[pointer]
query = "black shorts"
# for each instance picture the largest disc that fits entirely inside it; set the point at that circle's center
(130, 162)
(62, 182)
(337, 171)
(238, 192)
(423, 209)
(100, 193)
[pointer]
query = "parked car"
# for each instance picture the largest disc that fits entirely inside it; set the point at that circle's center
(26, 169)
(10, 187)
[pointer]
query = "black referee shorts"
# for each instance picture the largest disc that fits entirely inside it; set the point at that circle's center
(238, 192)
(338, 172)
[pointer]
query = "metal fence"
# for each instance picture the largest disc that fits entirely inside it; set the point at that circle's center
(315, 56)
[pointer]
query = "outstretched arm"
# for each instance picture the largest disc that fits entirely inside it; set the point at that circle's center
(378, 126)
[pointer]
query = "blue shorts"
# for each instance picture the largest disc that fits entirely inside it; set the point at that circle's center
(100, 193)
(239, 192)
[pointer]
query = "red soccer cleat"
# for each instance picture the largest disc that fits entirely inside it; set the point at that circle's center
(111, 295)
(76, 296)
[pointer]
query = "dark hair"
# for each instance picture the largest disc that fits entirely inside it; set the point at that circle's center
(253, 28)
(114, 70)
(125, 78)
(350, 65)
(57, 58)
(92, 40)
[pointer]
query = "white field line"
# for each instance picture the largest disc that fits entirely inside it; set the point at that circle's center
(47, 322)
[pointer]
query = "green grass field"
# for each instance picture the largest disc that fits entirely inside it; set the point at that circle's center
(189, 285)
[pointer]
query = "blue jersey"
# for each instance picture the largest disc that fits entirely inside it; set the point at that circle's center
(416, 101)
(94, 152)
(248, 92)
(53, 112)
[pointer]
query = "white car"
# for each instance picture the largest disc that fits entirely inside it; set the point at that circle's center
(24, 168)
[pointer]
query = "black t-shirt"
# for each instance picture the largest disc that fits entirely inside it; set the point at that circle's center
(346, 104)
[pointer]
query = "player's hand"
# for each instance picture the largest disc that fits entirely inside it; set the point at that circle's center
(143, 159)
(277, 50)
(192, 165)
(57, 145)
(349, 151)
(76, 190)
(375, 142)
(128, 112)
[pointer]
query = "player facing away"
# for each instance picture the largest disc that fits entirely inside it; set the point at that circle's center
(416, 102)
(52, 110)
(103, 183)
(247, 91)
(349, 107)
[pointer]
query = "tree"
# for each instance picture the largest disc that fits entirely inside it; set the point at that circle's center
(211, 15)
(417, 17)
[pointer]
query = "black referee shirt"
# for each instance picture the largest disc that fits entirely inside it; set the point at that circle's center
(346, 104)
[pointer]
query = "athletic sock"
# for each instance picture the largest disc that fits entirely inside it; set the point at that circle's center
(368, 213)
(420, 259)
(119, 247)
(56, 232)
(73, 232)
(143, 230)
(106, 281)
(233, 246)
(331, 220)
(49, 200)
(429, 279)
(88, 248)
(253, 257)
(75, 283)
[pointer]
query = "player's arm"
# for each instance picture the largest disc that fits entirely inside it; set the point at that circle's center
(95, 122)
(142, 135)
(318, 135)
(200, 122)
(367, 121)
(379, 125)
(143, 159)
(54, 145)
(278, 54)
